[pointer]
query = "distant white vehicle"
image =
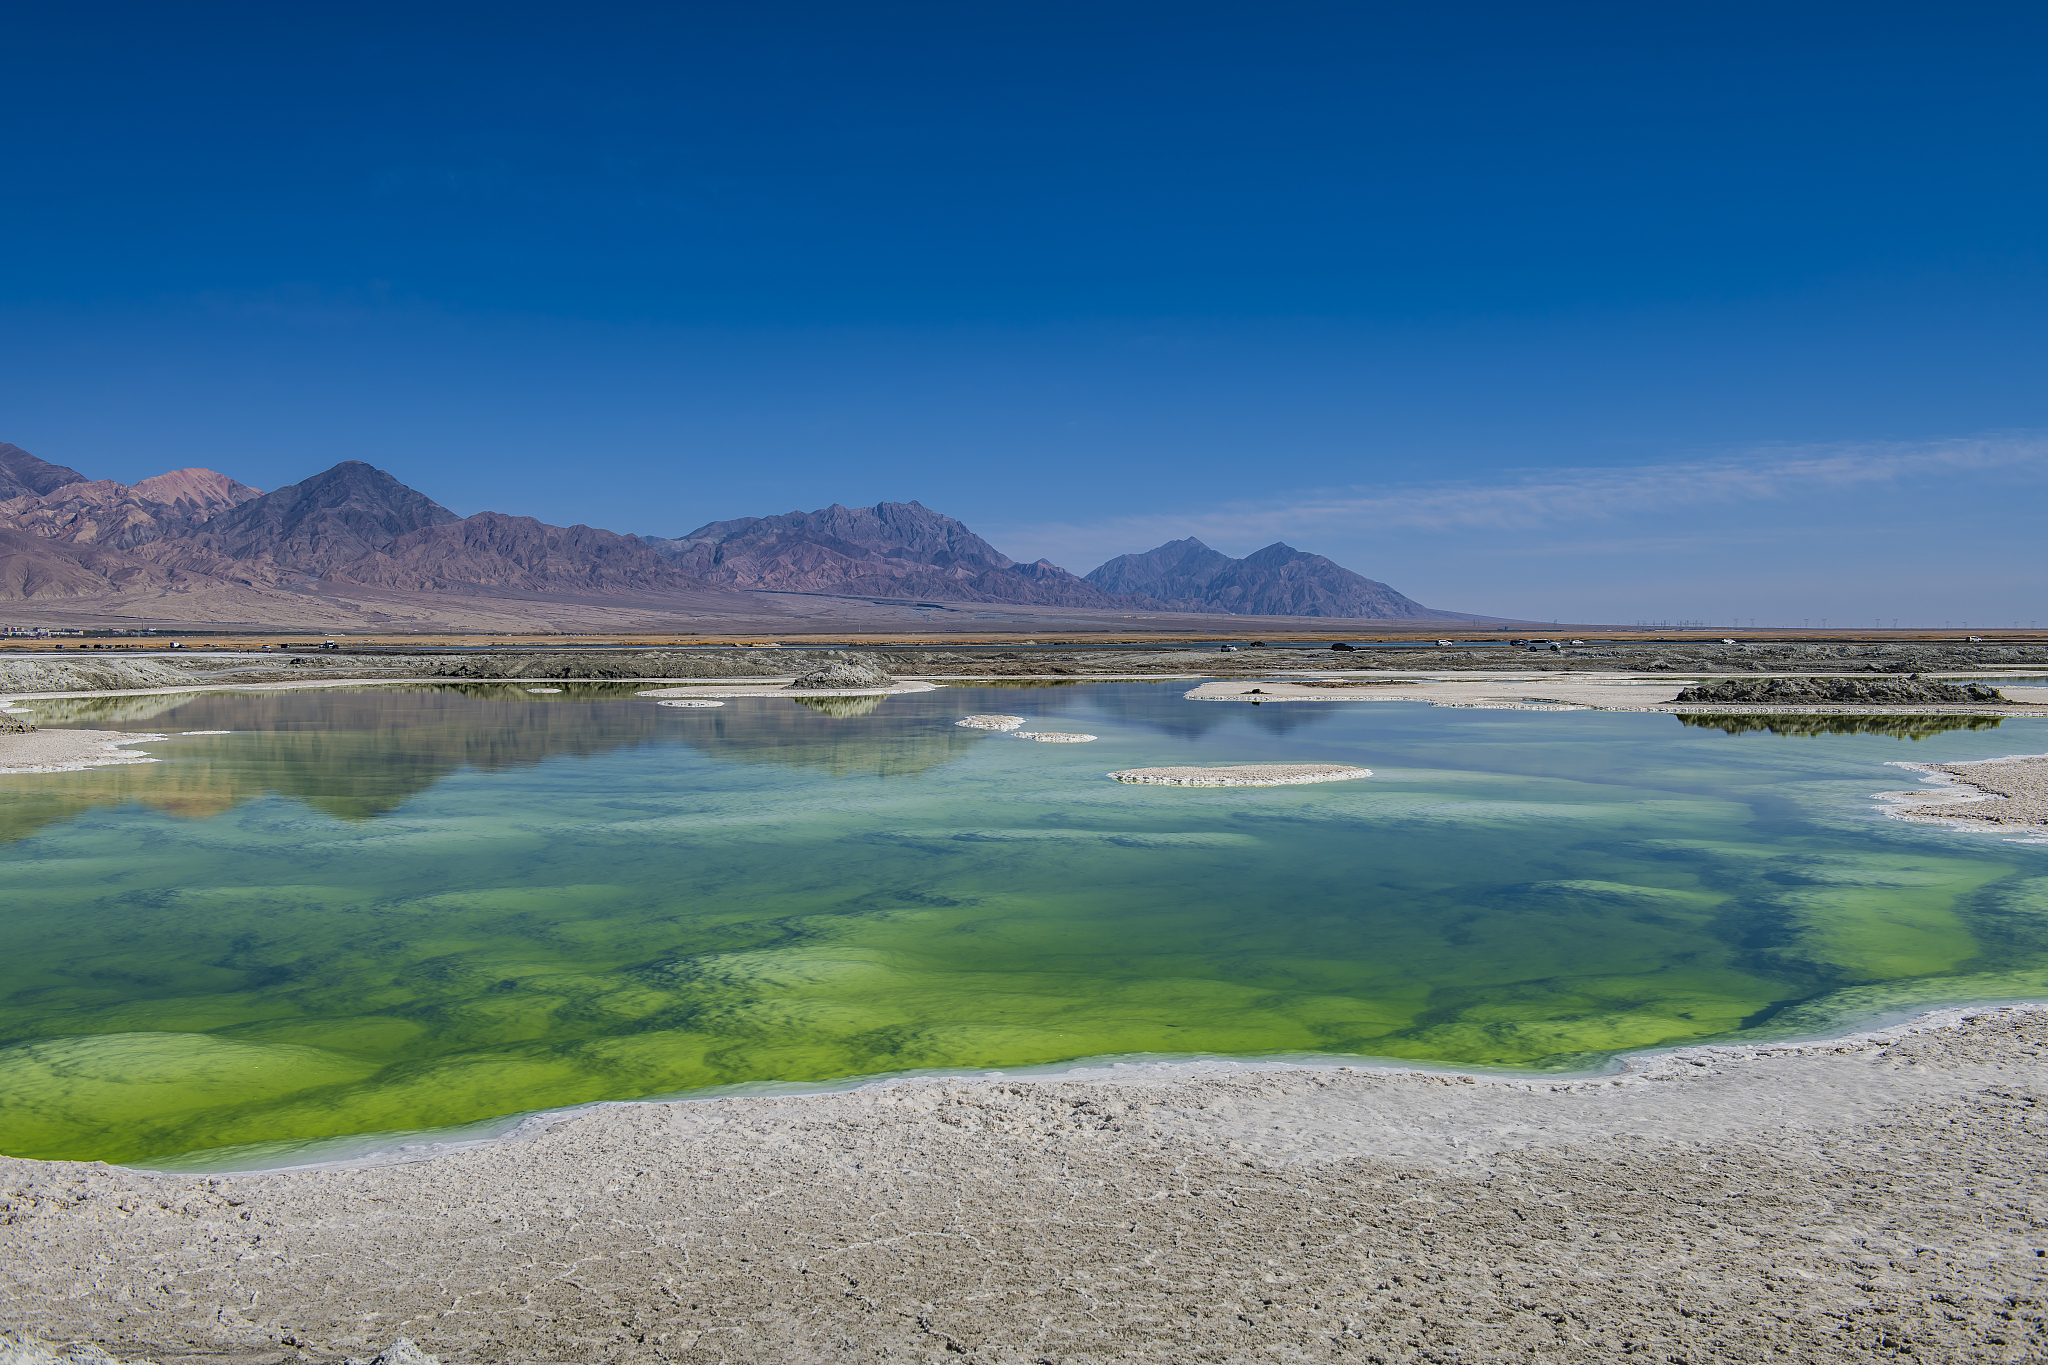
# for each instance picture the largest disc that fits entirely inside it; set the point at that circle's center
(1575, 642)
(1727, 642)
(1443, 642)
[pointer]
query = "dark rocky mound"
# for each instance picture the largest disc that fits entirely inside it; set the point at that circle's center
(1840, 691)
(855, 670)
(15, 725)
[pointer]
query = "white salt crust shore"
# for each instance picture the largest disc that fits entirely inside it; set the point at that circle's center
(1243, 775)
(70, 751)
(1566, 692)
(2004, 796)
(1874, 1197)
(782, 688)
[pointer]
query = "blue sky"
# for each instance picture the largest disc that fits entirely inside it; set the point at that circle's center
(1595, 311)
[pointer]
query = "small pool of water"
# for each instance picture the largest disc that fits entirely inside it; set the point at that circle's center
(403, 908)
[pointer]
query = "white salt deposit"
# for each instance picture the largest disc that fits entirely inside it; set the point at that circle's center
(1243, 775)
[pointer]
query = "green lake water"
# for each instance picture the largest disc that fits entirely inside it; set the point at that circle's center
(397, 909)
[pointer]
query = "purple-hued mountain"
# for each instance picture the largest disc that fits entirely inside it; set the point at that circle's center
(22, 474)
(199, 543)
(197, 531)
(321, 525)
(114, 516)
(892, 550)
(494, 551)
(1187, 575)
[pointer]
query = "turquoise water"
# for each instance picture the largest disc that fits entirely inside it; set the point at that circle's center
(406, 908)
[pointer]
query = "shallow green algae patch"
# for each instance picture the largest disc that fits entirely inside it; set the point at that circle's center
(399, 910)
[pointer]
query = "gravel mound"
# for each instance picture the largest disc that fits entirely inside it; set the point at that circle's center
(88, 675)
(1836, 691)
(850, 670)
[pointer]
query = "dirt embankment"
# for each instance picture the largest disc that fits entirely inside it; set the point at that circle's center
(1631, 657)
(47, 673)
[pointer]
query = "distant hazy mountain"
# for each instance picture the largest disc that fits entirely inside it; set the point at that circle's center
(1178, 574)
(1279, 580)
(22, 473)
(893, 549)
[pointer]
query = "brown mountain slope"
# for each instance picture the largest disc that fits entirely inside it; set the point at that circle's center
(38, 568)
(117, 516)
(892, 549)
(201, 493)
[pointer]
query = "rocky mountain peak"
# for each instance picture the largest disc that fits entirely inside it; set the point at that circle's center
(202, 490)
(327, 521)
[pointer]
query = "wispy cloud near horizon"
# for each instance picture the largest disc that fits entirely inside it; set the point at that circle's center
(1542, 498)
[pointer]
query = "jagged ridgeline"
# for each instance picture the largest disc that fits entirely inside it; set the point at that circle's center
(196, 545)
(1898, 727)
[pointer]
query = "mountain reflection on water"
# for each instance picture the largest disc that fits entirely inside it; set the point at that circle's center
(334, 749)
(1898, 727)
(357, 754)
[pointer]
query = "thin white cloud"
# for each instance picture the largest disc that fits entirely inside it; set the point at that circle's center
(1546, 498)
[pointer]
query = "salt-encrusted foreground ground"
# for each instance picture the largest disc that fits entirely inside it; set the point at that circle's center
(2014, 791)
(1880, 1200)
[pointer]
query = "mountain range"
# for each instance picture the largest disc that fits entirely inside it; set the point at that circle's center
(353, 544)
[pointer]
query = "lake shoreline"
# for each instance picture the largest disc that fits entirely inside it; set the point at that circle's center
(69, 751)
(1798, 1197)
(1989, 794)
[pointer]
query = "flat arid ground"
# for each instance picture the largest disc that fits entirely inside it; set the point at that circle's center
(1872, 1199)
